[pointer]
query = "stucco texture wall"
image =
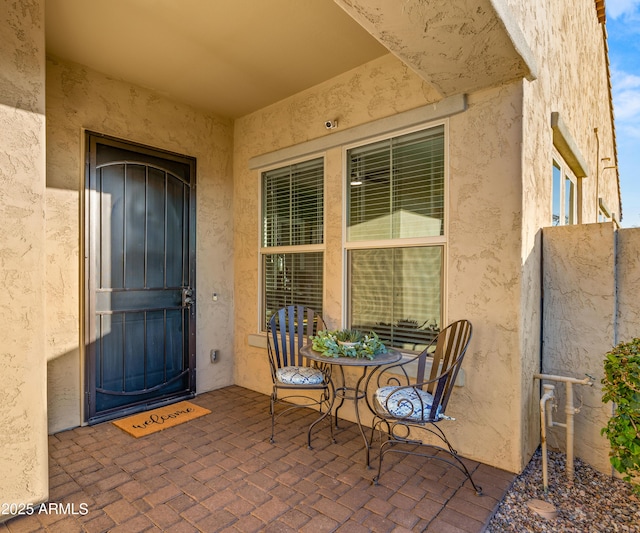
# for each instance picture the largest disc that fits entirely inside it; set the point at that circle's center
(628, 270)
(572, 80)
(483, 262)
(483, 277)
(23, 410)
(591, 284)
(79, 98)
(579, 328)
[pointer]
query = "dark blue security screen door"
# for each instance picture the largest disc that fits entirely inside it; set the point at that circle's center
(139, 277)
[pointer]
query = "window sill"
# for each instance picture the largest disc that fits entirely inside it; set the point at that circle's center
(258, 340)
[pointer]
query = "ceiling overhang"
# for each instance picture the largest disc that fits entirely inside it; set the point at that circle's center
(457, 47)
(233, 57)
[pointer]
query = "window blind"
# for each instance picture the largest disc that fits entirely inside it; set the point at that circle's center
(397, 292)
(292, 216)
(396, 190)
(292, 278)
(292, 200)
(396, 187)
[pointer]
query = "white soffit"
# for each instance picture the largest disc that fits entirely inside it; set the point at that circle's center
(458, 47)
(233, 57)
(230, 57)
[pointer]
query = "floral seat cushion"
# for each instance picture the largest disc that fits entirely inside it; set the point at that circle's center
(299, 375)
(407, 403)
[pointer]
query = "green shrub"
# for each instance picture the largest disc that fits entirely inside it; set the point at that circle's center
(622, 387)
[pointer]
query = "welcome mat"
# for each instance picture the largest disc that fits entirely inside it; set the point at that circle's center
(149, 422)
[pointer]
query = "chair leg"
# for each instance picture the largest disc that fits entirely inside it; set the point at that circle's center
(316, 421)
(272, 411)
(459, 464)
(376, 423)
(328, 399)
(463, 468)
(466, 472)
(389, 442)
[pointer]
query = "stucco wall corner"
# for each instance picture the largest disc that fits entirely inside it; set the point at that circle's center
(484, 281)
(23, 430)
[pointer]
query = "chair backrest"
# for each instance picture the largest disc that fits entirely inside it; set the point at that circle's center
(447, 350)
(289, 329)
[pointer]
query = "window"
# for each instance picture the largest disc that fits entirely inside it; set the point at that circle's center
(396, 237)
(292, 236)
(564, 196)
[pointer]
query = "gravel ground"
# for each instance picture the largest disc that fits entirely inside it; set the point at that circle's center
(594, 503)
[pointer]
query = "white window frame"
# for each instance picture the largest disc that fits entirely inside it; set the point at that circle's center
(439, 240)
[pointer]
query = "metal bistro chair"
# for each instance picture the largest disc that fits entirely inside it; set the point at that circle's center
(404, 406)
(294, 376)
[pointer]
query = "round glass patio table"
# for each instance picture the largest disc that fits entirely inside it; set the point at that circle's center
(342, 391)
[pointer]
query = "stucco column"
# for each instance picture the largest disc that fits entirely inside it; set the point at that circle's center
(23, 409)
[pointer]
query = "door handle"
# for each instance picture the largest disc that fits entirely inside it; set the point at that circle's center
(187, 297)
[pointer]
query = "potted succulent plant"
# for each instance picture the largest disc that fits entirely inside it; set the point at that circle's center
(349, 337)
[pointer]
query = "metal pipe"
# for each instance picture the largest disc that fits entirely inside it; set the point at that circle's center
(569, 410)
(550, 377)
(548, 395)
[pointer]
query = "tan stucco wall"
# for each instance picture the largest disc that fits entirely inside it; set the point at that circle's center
(579, 328)
(23, 410)
(484, 273)
(628, 271)
(79, 98)
(572, 80)
(483, 251)
(500, 198)
(591, 285)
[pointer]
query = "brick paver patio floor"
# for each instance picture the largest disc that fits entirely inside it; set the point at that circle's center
(220, 473)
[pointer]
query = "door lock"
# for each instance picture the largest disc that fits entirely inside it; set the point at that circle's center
(187, 297)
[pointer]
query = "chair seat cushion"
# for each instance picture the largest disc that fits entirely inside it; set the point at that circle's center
(407, 403)
(299, 375)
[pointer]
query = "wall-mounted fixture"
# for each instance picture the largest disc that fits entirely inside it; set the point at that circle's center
(331, 124)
